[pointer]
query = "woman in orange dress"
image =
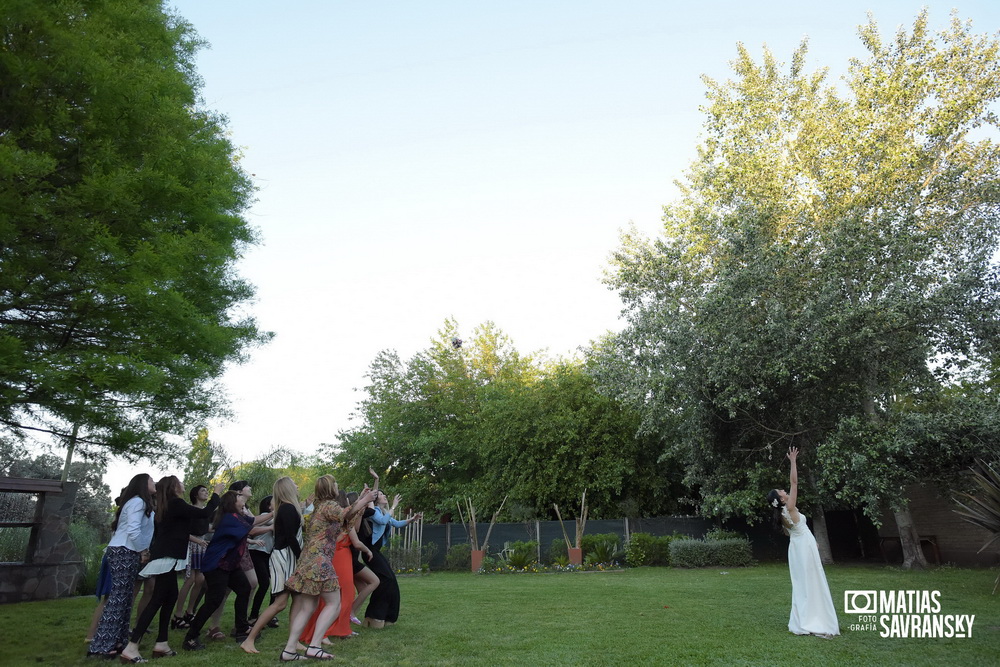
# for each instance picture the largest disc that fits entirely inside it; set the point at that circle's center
(314, 576)
(344, 568)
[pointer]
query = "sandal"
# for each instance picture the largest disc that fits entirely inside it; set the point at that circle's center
(131, 661)
(318, 653)
(179, 623)
(164, 654)
(297, 656)
(193, 645)
(217, 634)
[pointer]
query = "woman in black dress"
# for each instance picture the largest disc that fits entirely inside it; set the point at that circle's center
(384, 605)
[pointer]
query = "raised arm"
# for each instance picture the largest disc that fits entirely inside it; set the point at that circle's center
(793, 484)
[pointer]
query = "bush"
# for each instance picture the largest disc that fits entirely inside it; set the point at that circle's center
(734, 552)
(646, 549)
(557, 552)
(459, 557)
(604, 551)
(88, 543)
(715, 553)
(14, 544)
(719, 534)
(590, 543)
(522, 554)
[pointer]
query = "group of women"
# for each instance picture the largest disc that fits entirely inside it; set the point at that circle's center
(325, 557)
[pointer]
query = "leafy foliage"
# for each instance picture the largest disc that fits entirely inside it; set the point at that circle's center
(711, 553)
(827, 279)
(93, 506)
(120, 224)
(480, 420)
(984, 510)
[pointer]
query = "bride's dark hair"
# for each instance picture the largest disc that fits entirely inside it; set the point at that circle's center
(774, 500)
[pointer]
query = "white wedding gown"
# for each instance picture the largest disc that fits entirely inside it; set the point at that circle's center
(812, 606)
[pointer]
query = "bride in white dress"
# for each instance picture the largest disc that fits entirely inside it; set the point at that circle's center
(812, 606)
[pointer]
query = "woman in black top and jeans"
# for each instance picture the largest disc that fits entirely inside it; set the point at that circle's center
(167, 553)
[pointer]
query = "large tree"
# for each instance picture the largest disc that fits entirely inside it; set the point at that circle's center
(121, 203)
(826, 275)
(474, 418)
(417, 419)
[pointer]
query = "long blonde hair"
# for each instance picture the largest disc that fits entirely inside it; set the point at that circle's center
(285, 492)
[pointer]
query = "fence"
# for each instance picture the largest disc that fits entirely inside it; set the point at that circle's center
(40, 560)
(442, 536)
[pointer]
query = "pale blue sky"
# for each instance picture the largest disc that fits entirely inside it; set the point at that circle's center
(420, 160)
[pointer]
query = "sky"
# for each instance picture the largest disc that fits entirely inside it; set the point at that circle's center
(420, 160)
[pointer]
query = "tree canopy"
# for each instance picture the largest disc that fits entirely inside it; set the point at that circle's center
(828, 273)
(478, 419)
(121, 222)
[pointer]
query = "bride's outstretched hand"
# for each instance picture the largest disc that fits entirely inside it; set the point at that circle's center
(793, 453)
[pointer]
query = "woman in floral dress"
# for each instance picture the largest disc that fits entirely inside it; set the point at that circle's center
(314, 576)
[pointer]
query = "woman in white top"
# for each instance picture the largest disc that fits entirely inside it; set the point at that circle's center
(127, 551)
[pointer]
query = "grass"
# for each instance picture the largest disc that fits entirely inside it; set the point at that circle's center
(642, 616)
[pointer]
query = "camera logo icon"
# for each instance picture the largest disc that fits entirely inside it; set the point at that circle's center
(860, 602)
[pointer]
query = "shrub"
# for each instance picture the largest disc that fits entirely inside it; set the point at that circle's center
(734, 552)
(459, 557)
(87, 542)
(646, 549)
(718, 534)
(522, 554)
(604, 550)
(704, 553)
(589, 543)
(557, 552)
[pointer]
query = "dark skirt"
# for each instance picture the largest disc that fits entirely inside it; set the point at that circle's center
(384, 602)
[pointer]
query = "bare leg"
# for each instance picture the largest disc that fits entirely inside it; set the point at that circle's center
(331, 610)
(302, 609)
(199, 583)
(183, 593)
(366, 582)
(96, 618)
(272, 610)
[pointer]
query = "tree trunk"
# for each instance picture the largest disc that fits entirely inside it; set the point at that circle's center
(70, 446)
(819, 527)
(913, 555)
(822, 536)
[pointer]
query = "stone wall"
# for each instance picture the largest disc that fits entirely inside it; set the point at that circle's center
(52, 565)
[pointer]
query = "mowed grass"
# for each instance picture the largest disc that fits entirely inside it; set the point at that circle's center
(648, 616)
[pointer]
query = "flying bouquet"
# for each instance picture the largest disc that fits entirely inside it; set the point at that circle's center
(456, 343)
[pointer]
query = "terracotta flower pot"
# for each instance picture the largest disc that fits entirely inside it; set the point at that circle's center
(477, 559)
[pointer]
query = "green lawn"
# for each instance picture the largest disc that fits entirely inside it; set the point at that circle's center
(643, 616)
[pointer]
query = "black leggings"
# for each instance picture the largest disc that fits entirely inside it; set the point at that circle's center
(216, 583)
(261, 565)
(163, 600)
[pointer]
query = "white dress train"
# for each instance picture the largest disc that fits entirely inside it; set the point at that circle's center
(812, 606)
